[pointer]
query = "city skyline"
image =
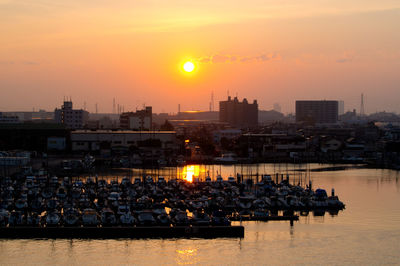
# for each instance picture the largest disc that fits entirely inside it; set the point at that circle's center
(116, 108)
(272, 51)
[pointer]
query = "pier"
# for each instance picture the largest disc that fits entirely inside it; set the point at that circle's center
(122, 232)
(290, 218)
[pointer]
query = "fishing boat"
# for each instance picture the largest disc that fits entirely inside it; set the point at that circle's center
(71, 217)
(4, 217)
(61, 193)
(108, 217)
(90, 217)
(163, 219)
(219, 219)
(21, 204)
(127, 219)
(47, 193)
(145, 218)
(15, 219)
(180, 219)
(200, 218)
(53, 218)
(33, 219)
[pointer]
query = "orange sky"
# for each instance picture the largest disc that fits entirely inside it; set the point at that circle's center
(274, 51)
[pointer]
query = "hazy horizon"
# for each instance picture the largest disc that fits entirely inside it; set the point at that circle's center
(273, 51)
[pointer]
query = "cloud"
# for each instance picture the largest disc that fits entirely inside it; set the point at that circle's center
(20, 62)
(347, 57)
(220, 58)
(246, 59)
(30, 63)
(204, 60)
(262, 57)
(343, 60)
(6, 62)
(225, 58)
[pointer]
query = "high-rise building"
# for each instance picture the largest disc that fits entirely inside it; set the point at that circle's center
(238, 114)
(320, 112)
(139, 120)
(71, 118)
(341, 107)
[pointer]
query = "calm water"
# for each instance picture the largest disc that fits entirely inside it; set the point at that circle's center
(367, 232)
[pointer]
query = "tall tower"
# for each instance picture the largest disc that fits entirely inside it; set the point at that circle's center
(362, 111)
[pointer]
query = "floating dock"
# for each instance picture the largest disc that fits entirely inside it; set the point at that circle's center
(266, 218)
(122, 232)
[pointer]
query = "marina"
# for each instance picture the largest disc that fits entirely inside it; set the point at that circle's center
(370, 222)
(131, 206)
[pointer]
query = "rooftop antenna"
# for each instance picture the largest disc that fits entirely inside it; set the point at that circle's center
(84, 105)
(362, 111)
(113, 106)
(96, 109)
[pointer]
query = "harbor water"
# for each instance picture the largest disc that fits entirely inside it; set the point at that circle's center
(366, 232)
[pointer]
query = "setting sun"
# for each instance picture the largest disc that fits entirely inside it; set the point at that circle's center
(188, 66)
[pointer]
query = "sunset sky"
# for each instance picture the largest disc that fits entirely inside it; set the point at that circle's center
(275, 51)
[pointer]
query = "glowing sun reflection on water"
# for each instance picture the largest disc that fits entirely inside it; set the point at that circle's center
(190, 172)
(186, 256)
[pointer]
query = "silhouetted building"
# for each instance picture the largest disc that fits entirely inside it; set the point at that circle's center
(31, 136)
(265, 117)
(71, 118)
(139, 120)
(321, 112)
(5, 119)
(238, 114)
(341, 107)
(90, 140)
